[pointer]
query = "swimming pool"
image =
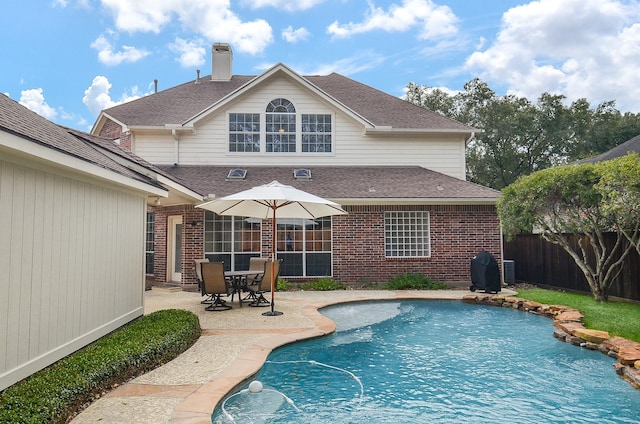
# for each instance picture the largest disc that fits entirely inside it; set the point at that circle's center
(438, 362)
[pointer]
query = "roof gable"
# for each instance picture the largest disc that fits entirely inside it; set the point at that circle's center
(184, 105)
(274, 71)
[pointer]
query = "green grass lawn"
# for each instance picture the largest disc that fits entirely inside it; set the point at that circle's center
(618, 318)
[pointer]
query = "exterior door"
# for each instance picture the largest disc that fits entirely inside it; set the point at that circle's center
(174, 249)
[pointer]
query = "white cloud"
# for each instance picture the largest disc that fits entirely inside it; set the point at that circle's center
(190, 52)
(213, 19)
(97, 96)
(579, 48)
(433, 21)
(288, 5)
(291, 35)
(107, 56)
(33, 99)
(350, 65)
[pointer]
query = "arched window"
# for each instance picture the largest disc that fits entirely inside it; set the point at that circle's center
(280, 126)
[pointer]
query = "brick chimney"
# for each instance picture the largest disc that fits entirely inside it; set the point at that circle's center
(221, 58)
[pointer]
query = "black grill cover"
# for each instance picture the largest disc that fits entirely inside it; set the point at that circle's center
(485, 274)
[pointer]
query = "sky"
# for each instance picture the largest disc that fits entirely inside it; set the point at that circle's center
(69, 59)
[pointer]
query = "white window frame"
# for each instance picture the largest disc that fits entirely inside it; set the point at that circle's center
(256, 136)
(317, 133)
(288, 118)
(262, 135)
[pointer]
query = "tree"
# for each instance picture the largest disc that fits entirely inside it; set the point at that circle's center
(519, 137)
(580, 201)
(620, 188)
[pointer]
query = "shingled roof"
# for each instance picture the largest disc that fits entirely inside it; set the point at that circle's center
(367, 183)
(178, 104)
(632, 145)
(22, 122)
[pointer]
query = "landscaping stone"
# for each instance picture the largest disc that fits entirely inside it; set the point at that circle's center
(590, 345)
(531, 306)
(632, 375)
(569, 315)
(594, 336)
(616, 343)
(628, 355)
(559, 334)
(568, 327)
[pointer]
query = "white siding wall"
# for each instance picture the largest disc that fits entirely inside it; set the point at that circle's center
(209, 146)
(71, 264)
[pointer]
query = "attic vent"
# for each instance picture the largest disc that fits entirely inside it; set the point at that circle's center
(237, 174)
(302, 174)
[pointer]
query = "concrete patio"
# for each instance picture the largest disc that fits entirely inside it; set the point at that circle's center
(233, 346)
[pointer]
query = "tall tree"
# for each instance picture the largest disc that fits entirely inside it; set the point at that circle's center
(519, 137)
(582, 202)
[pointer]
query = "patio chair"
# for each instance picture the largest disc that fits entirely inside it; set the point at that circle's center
(198, 270)
(255, 264)
(215, 285)
(264, 283)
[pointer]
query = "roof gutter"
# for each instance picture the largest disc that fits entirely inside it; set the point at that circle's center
(391, 130)
(421, 201)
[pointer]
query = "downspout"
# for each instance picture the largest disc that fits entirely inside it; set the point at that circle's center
(464, 154)
(176, 147)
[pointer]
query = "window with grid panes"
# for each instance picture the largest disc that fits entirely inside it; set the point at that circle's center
(244, 132)
(407, 234)
(280, 126)
(316, 133)
(150, 242)
(231, 239)
(304, 246)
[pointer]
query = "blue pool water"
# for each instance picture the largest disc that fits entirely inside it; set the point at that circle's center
(434, 362)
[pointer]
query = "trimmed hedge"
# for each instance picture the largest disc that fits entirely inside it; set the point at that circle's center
(56, 393)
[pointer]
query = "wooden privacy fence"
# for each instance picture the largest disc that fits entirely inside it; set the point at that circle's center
(537, 261)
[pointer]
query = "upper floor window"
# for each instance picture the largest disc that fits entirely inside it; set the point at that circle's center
(316, 133)
(244, 132)
(280, 123)
(280, 130)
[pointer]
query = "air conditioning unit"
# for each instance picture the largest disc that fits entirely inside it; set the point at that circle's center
(509, 270)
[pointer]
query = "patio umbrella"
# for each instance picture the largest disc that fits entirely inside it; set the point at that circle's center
(272, 201)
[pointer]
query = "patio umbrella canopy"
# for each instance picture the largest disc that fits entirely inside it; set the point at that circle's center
(273, 201)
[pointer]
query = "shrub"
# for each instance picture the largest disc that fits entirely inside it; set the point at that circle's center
(283, 285)
(60, 390)
(323, 284)
(416, 281)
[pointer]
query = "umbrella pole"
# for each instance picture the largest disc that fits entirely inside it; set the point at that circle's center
(274, 244)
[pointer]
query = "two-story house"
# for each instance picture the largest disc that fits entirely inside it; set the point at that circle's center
(398, 169)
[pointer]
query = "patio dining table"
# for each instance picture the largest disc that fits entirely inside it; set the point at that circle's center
(238, 280)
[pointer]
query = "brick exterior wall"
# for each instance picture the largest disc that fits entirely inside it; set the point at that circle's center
(458, 233)
(113, 130)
